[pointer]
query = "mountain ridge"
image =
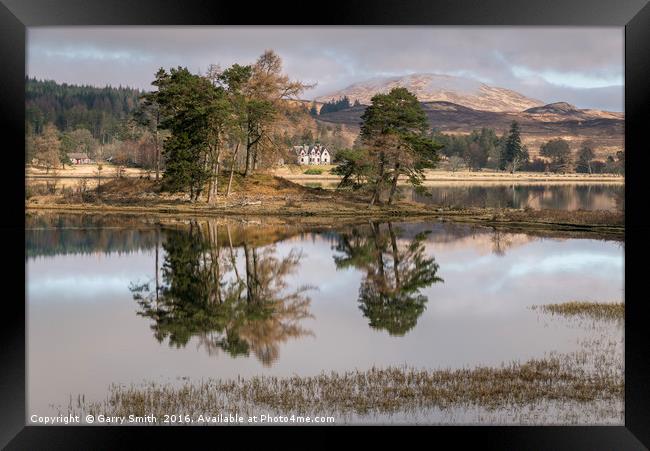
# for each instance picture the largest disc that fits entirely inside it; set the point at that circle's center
(439, 87)
(538, 124)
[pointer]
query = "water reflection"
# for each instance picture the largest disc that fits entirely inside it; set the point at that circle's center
(237, 288)
(609, 197)
(204, 293)
(394, 275)
(50, 235)
(235, 297)
(564, 196)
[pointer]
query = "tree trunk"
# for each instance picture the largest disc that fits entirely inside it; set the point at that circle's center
(212, 185)
(393, 187)
(156, 154)
(249, 158)
(380, 180)
(157, 245)
(216, 180)
(201, 186)
(375, 195)
(232, 169)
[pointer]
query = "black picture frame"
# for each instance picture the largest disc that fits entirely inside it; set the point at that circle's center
(634, 15)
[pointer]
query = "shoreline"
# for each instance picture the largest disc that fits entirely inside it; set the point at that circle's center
(437, 176)
(481, 179)
(265, 195)
(297, 174)
(609, 226)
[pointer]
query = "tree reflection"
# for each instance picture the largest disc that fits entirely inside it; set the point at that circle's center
(236, 308)
(395, 273)
(500, 242)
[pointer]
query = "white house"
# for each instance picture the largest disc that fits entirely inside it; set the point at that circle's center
(302, 154)
(79, 158)
(316, 154)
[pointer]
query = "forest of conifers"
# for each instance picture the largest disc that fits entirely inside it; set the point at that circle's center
(102, 111)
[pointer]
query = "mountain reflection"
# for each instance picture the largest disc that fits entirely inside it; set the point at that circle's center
(395, 273)
(236, 308)
(539, 197)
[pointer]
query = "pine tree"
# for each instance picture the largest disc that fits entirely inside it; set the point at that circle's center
(395, 129)
(513, 153)
(185, 101)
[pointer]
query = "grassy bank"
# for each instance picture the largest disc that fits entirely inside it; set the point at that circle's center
(267, 195)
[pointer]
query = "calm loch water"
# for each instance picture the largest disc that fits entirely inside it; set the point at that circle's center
(119, 300)
(608, 197)
(561, 196)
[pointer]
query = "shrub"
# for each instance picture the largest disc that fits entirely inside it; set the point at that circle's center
(598, 167)
(69, 195)
(37, 190)
(536, 165)
(313, 172)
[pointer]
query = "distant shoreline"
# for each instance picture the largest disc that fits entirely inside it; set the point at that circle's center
(446, 177)
(296, 173)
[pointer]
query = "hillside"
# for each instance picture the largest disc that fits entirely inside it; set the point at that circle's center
(562, 111)
(538, 124)
(102, 111)
(435, 87)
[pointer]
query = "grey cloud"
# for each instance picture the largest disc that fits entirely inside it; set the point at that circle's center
(338, 56)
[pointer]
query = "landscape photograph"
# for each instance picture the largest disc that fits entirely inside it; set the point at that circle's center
(340, 225)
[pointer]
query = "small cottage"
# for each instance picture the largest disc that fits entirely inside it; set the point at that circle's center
(79, 158)
(316, 154)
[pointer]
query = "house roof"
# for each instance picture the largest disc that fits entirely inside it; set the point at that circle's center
(318, 148)
(78, 156)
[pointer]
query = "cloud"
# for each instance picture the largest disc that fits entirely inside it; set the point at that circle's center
(585, 65)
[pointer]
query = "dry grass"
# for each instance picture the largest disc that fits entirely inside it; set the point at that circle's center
(81, 170)
(557, 379)
(594, 310)
(585, 386)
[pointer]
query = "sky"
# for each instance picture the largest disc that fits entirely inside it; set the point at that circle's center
(580, 65)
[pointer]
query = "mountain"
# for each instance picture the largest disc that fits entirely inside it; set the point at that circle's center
(563, 111)
(538, 124)
(436, 87)
(554, 108)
